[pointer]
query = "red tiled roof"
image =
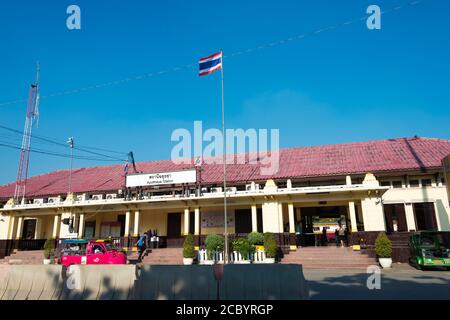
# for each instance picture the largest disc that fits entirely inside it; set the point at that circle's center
(328, 160)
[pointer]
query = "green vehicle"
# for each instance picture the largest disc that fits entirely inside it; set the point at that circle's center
(430, 249)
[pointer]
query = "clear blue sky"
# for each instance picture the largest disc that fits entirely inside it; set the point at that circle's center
(346, 85)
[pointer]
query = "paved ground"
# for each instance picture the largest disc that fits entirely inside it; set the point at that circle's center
(401, 282)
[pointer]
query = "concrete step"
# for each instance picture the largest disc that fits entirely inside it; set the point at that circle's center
(329, 258)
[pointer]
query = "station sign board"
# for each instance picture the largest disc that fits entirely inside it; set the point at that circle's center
(161, 178)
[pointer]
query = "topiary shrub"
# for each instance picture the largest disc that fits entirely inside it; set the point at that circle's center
(189, 247)
(255, 238)
(214, 243)
(49, 248)
(383, 246)
(242, 246)
(270, 245)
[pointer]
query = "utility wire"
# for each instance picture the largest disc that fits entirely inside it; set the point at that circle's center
(190, 65)
(51, 141)
(50, 153)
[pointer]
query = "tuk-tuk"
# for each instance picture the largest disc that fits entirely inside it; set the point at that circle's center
(80, 251)
(430, 249)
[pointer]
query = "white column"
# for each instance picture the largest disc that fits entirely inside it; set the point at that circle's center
(254, 218)
(11, 227)
(98, 225)
(197, 221)
(186, 221)
(348, 180)
(410, 220)
(19, 228)
(280, 218)
(291, 218)
(75, 219)
(127, 223)
(136, 223)
(81, 226)
(436, 216)
(56, 223)
(352, 213)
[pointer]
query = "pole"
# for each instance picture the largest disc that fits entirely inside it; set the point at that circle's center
(225, 258)
(70, 142)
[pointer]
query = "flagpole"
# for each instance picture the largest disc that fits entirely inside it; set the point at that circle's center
(225, 258)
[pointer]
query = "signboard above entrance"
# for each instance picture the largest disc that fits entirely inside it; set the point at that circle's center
(162, 178)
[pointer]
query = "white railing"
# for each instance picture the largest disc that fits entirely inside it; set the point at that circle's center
(203, 257)
(259, 256)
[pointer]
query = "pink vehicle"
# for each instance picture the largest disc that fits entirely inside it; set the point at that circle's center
(90, 252)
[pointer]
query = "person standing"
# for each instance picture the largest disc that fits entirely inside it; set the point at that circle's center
(341, 234)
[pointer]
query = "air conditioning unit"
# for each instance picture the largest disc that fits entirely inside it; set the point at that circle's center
(38, 201)
(97, 197)
(82, 197)
(54, 199)
(111, 196)
(205, 190)
(216, 190)
(248, 187)
(231, 189)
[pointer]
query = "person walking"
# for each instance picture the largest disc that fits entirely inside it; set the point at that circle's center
(142, 246)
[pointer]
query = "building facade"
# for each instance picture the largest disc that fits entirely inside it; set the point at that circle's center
(396, 185)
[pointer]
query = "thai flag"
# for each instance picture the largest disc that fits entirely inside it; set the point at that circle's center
(210, 64)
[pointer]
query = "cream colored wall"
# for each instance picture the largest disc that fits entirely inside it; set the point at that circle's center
(373, 214)
(46, 228)
(155, 219)
(218, 230)
(5, 221)
(437, 195)
(271, 217)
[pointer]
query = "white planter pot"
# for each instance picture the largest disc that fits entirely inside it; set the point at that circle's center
(269, 260)
(47, 261)
(188, 261)
(208, 262)
(386, 263)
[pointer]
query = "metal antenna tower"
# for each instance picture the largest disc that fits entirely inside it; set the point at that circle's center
(31, 117)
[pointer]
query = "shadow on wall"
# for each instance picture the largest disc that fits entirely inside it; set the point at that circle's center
(421, 285)
(123, 282)
(443, 216)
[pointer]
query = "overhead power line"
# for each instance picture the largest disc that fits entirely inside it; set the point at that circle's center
(61, 144)
(51, 153)
(237, 53)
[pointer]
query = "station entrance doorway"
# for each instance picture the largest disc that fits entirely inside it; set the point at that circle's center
(318, 225)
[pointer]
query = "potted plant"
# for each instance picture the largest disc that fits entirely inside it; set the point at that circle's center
(214, 244)
(270, 247)
(383, 249)
(49, 250)
(188, 250)
(244, 248)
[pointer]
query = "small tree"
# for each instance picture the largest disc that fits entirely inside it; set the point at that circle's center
(270, 245)
(188, 247)
(214, 243)
(244, 247)
(383, 246)
(49, 248)
(256, 238)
